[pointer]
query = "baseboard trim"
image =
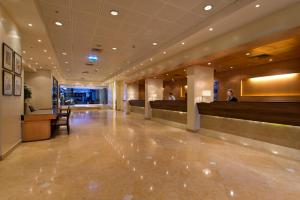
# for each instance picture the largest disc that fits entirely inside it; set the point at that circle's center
(170, 123)
(7, 153)
(274, 149)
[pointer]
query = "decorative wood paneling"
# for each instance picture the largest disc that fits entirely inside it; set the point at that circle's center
(177, 105)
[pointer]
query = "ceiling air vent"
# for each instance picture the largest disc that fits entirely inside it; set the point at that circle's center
(261, 56)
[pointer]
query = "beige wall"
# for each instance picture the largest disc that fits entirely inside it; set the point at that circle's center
(40, 83)
(11, 107)
(232, 79)
(133, 91)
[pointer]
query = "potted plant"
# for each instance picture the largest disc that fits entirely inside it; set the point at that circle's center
(27, 96)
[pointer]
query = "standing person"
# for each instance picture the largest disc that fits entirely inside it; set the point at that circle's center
(171, 96)
(230, 96)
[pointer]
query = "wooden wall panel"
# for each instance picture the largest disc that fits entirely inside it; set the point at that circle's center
(232, 79)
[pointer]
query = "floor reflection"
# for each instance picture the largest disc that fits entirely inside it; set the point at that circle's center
(109, 155)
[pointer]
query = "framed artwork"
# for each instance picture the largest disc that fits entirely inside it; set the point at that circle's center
(17, 63)
(7, 84)
(17, 85)
(7, 57)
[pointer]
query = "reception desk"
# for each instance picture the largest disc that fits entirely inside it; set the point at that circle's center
(37, 125)
(137, 103)
(272, 122)
(174, 105)
(287, 113)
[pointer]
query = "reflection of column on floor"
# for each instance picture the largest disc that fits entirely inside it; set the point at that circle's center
(132, 94)
(153, 91)
(120, 95)
(200, 89)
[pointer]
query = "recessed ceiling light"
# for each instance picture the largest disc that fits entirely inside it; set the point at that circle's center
(30, 25)
(49, 58)
(31, 58)
(66, 62)
(45, 50)
(41, 67)
(257, 5)
(36, 63)
(183, 43)
(114, 12)
(64, 53)
(54, 67)
(39, 40)
(164, 52)
(248, 54)
(270, 60)
(58, 23)
(211, 29)
(209, 63)
(231, 67)
(114, 48)
(154, 43)
(207, 7)
(151, 59)
(24, 51)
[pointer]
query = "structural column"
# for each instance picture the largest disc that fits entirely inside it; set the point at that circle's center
(132, 94)
(200, 81)
(153, 91)
(133, 91)
(120, 95)
(111, 96)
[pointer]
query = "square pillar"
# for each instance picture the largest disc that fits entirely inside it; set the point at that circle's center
(111, 95)
(133, 91)
(120, 95)
(200, 81)
(153, 91)
(132, 94)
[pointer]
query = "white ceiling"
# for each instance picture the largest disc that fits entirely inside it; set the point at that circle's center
(88, 23)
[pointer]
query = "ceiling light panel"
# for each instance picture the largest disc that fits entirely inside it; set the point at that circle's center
(140, 23)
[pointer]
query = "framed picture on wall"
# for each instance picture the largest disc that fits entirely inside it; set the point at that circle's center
(7, 84)
(17, 85)
(17, 63)
(7, 57)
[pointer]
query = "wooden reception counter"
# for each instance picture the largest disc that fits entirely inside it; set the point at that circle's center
(37, 125)
(287, 113)
(137, 103)
(174, 105)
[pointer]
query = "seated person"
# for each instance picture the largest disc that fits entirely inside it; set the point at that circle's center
(171, 96)
(230, 96)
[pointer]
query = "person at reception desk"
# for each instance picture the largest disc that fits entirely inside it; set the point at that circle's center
(171, 96)
(230, 96)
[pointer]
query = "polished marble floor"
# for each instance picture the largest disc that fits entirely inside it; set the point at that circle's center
(111, 156)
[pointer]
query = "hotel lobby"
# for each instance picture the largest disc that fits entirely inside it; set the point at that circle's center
(150, 100)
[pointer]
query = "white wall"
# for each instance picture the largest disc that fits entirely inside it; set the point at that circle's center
(11, 107)
(133, 91)
(40, 83)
